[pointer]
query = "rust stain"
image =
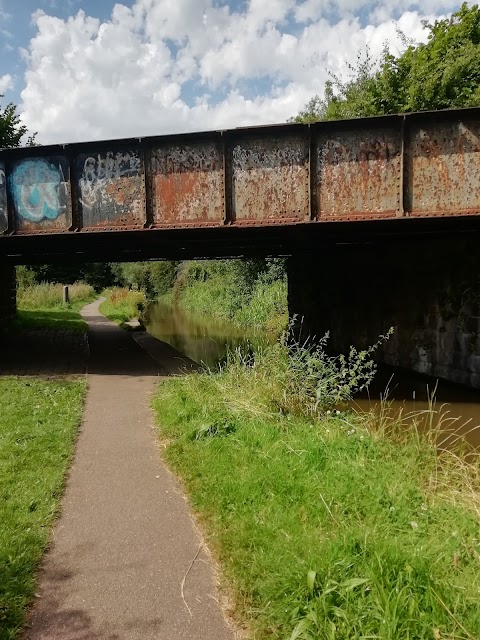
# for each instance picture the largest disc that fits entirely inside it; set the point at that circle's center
(187, 184)
(270, 179)
(358, 173)
(444, 168)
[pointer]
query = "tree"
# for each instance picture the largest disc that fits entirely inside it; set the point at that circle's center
(440, 74)
(11, 128)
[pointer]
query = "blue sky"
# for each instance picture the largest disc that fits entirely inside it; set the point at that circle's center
(86, 69)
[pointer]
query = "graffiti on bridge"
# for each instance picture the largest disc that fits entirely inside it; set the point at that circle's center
(111, 188)
(39, 190)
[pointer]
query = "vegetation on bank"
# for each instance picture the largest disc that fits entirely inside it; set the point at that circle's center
(41, 306)
(250, 293)
(39, 420)
(122, 305)
(333, 525)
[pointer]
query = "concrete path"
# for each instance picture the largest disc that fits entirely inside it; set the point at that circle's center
(125, 562)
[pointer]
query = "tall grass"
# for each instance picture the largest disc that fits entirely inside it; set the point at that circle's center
(252, 294)
(328, 524)
(122, 304)
(49, 295)
(41, 306)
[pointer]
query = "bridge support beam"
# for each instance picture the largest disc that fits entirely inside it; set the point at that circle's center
(8, 297)
(427, 289)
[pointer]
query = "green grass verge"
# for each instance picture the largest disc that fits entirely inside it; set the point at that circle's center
(121, 305)
(39, 420)
(40, 306)
(327, 527)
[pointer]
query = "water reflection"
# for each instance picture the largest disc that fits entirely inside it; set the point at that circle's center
(207, 340)
(410, 395)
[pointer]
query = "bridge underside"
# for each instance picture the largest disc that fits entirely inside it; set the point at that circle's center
(226, 242)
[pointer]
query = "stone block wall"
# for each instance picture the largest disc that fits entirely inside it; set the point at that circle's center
(428, 289)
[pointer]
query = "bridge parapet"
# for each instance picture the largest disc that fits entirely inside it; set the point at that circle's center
(414, 165)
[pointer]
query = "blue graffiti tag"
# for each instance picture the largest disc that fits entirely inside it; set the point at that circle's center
(35, 186)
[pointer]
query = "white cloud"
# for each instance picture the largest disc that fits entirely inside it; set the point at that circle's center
(161, 65)
(6, 83)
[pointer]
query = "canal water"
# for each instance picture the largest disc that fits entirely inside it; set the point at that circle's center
(207, 340)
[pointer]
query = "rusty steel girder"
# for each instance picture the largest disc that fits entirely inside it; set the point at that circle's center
(413, 165)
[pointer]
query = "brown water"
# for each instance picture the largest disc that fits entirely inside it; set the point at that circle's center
(207, 340)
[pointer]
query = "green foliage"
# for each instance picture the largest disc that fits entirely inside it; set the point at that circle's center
(11, 128)
(442, 73)
(251, 293)
(318, 381)
(122, 305)
(97, 274)
(48, 295)
(332, 526)
(155, 278)
(39, 420)
(40, 306)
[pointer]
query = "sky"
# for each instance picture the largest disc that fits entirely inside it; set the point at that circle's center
(98, 69)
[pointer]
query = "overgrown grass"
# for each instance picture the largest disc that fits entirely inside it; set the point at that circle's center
(327, 526)
(122, 305)
(40, 306)
(49, 295)
(38, 423)
(233, 290)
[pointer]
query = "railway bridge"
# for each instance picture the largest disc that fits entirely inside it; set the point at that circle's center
(380, 218)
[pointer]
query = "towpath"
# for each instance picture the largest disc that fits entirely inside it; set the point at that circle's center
(126, 562)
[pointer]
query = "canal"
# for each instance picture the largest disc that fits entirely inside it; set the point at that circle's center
(207, 340)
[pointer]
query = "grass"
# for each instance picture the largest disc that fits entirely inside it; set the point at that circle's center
(40, 306)
(327, 526)
(121, 304)
(217, 288)
(39, 420)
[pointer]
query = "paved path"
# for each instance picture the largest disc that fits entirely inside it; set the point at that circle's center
(125, 540)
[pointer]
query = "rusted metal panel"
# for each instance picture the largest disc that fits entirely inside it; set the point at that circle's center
(3, 199)
(270, 179)
(40, 193)
(358, 173)
(111, 189)
(443, 169)
(187, 184)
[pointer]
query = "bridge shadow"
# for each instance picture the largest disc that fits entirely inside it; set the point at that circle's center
(114, 351)
(50, 344)
(43, 352)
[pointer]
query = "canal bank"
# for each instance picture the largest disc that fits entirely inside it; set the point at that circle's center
(327, 524)
(208, 340)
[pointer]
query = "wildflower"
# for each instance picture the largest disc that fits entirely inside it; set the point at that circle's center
(414, 525)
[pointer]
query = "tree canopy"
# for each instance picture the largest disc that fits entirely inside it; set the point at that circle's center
(11, 128)
(442, 73)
